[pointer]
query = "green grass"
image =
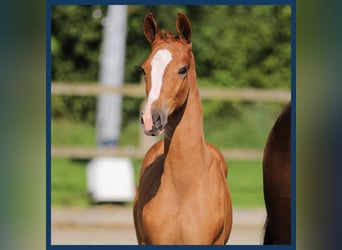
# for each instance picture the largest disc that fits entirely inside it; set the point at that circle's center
(66, 133)
(249, 129)
(245, 183)
(69, 183)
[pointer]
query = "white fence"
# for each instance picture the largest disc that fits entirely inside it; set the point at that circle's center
(138, 91)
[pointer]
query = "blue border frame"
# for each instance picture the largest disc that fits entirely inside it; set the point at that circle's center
(292, 4)
(172, 2)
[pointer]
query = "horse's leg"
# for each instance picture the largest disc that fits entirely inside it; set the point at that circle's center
(137, 232)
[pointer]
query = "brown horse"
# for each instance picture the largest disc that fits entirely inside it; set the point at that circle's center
(277, 180)
(182, 197)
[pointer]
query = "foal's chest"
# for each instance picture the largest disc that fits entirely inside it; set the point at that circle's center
(169, 225)
(167, 220)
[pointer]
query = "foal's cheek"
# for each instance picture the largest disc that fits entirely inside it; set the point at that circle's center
(182, 92)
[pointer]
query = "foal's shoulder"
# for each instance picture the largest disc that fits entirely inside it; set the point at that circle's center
(219, 157)
(156, 150)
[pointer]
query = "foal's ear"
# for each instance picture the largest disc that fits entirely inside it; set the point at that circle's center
(184, 28)
(151, 30)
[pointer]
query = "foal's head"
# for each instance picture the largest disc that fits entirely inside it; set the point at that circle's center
(166, 72)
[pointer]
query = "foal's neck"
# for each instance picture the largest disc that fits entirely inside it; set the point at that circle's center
(184, 139)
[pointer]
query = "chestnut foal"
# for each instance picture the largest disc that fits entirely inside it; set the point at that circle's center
(182, 197)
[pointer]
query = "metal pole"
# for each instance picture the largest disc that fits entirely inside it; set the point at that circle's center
(108, 120)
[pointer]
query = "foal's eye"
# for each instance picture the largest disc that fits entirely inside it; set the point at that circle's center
(141, 70)
(183, 70)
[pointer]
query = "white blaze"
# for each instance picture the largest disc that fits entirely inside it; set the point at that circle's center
(158, 64)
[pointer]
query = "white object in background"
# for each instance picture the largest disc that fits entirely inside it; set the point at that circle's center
(110, 179)
(111, 73)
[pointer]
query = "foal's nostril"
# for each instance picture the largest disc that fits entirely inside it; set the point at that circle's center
(158, 123)
(141, 118)
(157, 120)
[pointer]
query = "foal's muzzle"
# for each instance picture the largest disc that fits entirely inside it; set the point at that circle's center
(153, 122)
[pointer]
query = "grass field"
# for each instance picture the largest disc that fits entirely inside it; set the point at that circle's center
(248, 130)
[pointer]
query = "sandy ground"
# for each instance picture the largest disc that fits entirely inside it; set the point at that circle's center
(113, 225)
